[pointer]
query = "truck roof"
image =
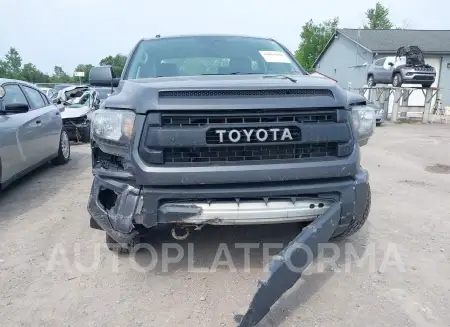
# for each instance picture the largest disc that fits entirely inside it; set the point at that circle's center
(205, 35)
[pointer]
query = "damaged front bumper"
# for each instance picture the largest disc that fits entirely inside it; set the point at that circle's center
(287, 267)
(117, 206)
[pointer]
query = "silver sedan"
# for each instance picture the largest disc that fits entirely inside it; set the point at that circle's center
(31, 131)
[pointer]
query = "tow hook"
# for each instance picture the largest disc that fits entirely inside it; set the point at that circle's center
(180, 233)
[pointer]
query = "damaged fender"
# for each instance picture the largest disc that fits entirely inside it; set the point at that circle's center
(287, 267)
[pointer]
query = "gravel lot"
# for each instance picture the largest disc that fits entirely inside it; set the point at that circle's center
(46, 248)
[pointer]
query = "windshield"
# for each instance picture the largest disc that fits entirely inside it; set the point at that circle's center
(209, 55)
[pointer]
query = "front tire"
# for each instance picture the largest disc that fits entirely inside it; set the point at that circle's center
(426, 86)
(359, 222)
(114, 246)
(64, 149)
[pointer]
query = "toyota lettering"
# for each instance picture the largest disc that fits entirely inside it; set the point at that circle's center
(260, 135)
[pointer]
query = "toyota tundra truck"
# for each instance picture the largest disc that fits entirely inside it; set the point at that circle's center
(227, 130)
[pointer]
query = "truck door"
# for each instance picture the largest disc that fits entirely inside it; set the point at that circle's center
(48, 122)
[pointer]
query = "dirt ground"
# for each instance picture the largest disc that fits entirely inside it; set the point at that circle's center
(401, 277)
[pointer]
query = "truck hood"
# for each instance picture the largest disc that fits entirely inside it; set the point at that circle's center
(75, 112)
(231, 92)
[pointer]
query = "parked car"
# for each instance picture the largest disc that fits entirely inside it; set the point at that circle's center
(49, 92)
(379, 113)
(31, 131)
(76, 104)
(408, 66)
(246, 138)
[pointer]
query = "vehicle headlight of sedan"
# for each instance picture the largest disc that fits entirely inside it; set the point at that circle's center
(115, 126)
(364, 120)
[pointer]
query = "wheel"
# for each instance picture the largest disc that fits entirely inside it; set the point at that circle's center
(371, 81)
(64, 149)
(397, 80)
(84, 134)
(114, 246)
(379, 124)
(358, 223)
(426, 86)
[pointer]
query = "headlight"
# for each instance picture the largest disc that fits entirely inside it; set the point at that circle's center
(113, 125)
(364, 119)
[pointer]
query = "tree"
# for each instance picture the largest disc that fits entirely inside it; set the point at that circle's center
(60, 76)
(378, 18)
(3, 68)
(30, 73)
(13, 63)
(314, 38)
(117, 62)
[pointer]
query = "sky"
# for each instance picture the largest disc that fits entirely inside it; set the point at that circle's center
(71, 32)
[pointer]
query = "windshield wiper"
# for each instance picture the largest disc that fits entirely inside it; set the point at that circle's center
(281, 76)
(233, 73)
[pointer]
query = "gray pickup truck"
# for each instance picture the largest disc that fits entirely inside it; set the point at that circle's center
(227, 130)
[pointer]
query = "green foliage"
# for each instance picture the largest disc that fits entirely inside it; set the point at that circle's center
(11, 67)
(117, 62)
(378, 18)
(314, 38)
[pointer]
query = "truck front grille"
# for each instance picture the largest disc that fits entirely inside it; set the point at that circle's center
(227, 154)
(190, 138)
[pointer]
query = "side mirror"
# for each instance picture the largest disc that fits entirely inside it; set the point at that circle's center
(16, 108)
(391, 64)
(103, 76)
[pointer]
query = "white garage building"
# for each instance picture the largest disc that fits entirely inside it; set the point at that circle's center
(350, 52)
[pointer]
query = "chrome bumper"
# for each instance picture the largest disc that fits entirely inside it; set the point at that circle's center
(273, 211)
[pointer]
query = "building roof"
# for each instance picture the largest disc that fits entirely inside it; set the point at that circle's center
(388, 41)
(383, 41)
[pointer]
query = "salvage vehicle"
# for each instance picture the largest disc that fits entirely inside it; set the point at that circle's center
(77, 104)
(227, 130)
(408, 66)
(59, 87)
(31, 131)
(103, 92)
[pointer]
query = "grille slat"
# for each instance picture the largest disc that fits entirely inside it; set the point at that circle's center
(207, 119)
(227, 154)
